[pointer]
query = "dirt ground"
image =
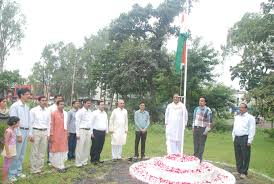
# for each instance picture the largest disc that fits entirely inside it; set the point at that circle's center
(118, 173)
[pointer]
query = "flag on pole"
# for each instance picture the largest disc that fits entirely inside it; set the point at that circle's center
(181, 52)
(181, 47)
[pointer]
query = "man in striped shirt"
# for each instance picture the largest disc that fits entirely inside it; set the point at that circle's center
(202, 120)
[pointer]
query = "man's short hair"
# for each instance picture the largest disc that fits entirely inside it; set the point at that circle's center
(59, 101)
(176, 94)
(56, 96)
(86, 100)
(244, 104)
(41, 97)
(22, 91)
(74, 101)
(100, 101)
(142, 102)
(203, 98)
(2, 99)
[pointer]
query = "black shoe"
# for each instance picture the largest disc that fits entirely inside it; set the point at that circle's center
(61, 170)
(100, 162)
(134, 159)
(94, 162)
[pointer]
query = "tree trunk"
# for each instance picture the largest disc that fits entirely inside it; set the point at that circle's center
(1, 64)
(73, 81)
(111, 101)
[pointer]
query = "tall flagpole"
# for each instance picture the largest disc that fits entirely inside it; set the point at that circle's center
(181, 81)
(185, 83)
(185, 78)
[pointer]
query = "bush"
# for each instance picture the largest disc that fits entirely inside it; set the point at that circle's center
(220, 125)
(226, 115)
(3, 127)
(270, 132)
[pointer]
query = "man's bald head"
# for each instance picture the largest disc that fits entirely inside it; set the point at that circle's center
(121, 103)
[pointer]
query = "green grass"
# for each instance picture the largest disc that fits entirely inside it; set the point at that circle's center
(219, 148)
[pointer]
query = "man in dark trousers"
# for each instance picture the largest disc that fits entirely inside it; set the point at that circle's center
(202, 122)
(243, 134)
(72, 129)
(141, 119)
(99, 128)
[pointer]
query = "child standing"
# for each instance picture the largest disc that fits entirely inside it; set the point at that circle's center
(9, 151)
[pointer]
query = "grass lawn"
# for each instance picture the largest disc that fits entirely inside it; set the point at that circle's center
(219, 148)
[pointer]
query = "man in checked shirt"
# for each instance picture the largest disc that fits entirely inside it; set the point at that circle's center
(202, 122)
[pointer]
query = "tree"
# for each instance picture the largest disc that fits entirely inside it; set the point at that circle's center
(264, 97)
(153, 25)
(44, 70)
(252, 36)
(220, 97)
(7, 78)
(12, 23)
(257, 62)
(202, 58)
(90, 52)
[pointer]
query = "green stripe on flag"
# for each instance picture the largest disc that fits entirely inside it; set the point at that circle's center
(180, 47)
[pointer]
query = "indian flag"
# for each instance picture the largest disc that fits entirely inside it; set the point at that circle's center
(181, 55)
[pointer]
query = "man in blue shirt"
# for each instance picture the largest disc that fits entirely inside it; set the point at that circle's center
(141, 119)
(21, 110)
(72, 129)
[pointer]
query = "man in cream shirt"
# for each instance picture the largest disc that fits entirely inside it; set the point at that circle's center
(83, 133)
(39, 134)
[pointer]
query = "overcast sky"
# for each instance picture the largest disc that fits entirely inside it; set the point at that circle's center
(51, 21)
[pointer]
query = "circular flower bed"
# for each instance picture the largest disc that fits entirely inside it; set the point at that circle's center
(159, 170)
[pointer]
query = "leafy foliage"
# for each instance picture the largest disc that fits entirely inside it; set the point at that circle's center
(253, 35)
(219, 97)
(12, 23)
(7, 78)
(270, 132)
(221, 125)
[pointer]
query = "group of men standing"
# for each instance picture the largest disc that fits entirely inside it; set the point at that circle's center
(78, 134)
(176, 118)
(81, 132)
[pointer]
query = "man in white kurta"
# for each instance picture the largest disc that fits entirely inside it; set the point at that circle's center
(118, 127)
(175, 120)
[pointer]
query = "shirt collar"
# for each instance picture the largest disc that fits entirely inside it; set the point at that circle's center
(20, 102)
(40, 108)
(85, 109)
(244, 114)
(202, 108)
